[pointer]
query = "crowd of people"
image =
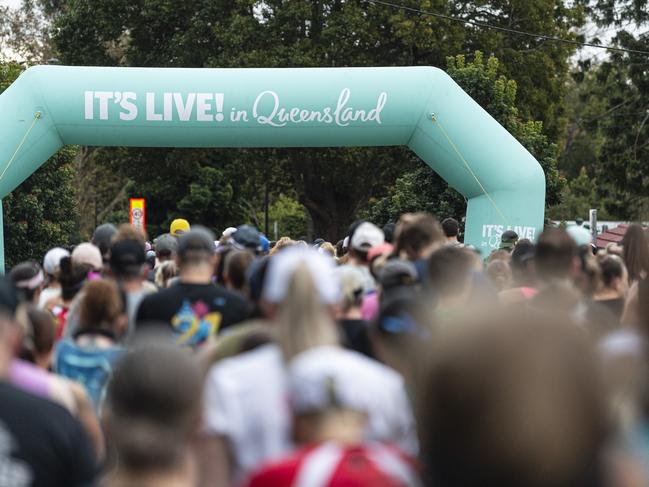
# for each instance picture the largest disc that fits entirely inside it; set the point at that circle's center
(396, 356)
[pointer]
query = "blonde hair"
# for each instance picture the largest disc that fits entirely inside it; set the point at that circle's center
(303, 321)
(281, 243)
(164, 273)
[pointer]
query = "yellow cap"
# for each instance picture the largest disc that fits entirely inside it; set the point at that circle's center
(179, 226)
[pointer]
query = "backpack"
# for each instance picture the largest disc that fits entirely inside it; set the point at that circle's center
(90, 366)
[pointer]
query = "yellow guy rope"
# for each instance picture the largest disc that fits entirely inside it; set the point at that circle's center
(37, 117)
(457, 151)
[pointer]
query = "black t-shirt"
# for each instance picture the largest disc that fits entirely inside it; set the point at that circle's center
(193, 311)
(355, 336)
(41, 444)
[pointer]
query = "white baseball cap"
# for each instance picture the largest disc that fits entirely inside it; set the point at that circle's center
(366, 236)
(52, 259)
(328, 377)
(87, 253)
(282, 266)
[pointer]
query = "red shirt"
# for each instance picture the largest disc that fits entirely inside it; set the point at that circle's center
(332, 465)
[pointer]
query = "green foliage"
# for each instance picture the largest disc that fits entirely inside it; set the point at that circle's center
(423, 190)
(290, 215)
(333, 185)
(41, 212)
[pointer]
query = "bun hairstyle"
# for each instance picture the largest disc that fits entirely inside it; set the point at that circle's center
(72, 277)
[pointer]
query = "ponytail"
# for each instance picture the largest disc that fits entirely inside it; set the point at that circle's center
(303, 321)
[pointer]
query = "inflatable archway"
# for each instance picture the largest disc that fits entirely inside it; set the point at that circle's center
(421, 107)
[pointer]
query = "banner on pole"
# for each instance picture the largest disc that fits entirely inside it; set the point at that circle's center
(138, 213)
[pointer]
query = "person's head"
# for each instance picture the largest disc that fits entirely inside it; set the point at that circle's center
(164, 273)
(512, 397)
(366, 236)
(417, 236)
(451, 228)
(556, 256)
(388, 231)
(450, 272)
(72, 276)
(351, 281)
(522, 263)
(165, 247)
(153, 408)
(324, 398)
(10, 333)
(328, 248)
(129, 232)
(102, 308)
(179, 227)
(127, 260)
(396, 334)
(300, 293)
(236, 266)
(281, 244)
(635, 250)
(89, 255)
(248, 238)
(29, 280)
(39, 337)
(500, 274)
(613, 274)
(52, 262)
(102, 238)
(196, 254)
(508, 240)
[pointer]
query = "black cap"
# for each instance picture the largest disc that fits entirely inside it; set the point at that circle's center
(127, 256)
(247, 237)
(198, 239)
(103, 235)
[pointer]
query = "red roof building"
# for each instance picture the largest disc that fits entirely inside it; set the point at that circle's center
(613, 235)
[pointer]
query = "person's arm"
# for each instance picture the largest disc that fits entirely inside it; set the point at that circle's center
(212, 454)
(86, 415)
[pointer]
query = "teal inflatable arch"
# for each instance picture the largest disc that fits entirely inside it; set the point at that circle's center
(421, 107)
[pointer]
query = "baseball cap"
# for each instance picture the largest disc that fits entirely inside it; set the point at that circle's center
(102, 236)
(228, 232)
(52, 259)
(264, 243)
(127, 256)
(166, 245)
(246, 237)
(282, 266)
(327, 378)
(198, 239)
(87, 253)
(398, 272)
(179, 226)
(508, 239)
(366, 236)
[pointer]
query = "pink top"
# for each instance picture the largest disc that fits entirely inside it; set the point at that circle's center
(29, 378)
(370, 307)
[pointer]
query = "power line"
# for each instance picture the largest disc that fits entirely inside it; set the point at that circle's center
(505, 29)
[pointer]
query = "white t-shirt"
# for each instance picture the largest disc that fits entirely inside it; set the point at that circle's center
(246, 400)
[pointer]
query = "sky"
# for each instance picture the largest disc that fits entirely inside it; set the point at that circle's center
(10, 3)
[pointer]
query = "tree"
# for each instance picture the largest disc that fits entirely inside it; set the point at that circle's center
(423, 190)
(276, 33)
(41, 212)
